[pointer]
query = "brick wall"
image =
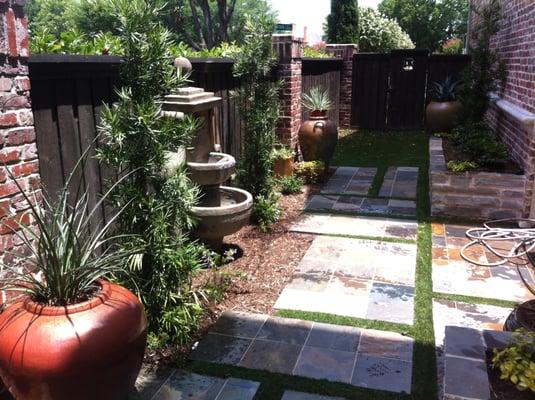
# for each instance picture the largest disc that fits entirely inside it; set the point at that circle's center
(515, 42)
(18, 150)
(345, 52)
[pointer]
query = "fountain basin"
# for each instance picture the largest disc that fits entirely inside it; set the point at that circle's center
(215, 171)
(214, 223)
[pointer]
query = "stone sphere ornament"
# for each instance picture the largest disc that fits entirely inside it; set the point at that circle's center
(183, 64)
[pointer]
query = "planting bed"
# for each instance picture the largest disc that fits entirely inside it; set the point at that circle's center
(503, 390)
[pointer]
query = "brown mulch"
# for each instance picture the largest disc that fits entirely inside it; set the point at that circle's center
(453, 153)
(504, 390)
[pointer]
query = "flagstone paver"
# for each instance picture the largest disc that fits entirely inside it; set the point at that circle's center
(452, 274)
(355, 278)
(361, 205)
(328, 224)
(350, 180)
(185, 385)
(360, 357)
(400, 182)
(290, 395)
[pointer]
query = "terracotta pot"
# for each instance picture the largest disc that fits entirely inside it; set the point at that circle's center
(522, 316)
(442, 116)
(317, 139)
(87, 351)
(283, 167)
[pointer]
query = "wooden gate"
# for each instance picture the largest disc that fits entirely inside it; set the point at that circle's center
(390, 90)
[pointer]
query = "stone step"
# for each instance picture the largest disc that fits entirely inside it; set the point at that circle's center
(400, 182)
(291, 395)
(360, 357)
(350, 181)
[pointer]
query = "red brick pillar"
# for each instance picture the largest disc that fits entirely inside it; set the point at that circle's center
(290, 53)
(18, 149)
(346, 53)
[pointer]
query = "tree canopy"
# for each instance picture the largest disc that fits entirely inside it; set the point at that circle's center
(343, 22)
(379, 33)
(429, 23)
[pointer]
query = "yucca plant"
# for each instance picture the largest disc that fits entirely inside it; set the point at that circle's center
(66, 257)
(445, 90)
(317, 99)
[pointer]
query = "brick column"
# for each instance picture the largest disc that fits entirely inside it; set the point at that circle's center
(18, 149)
(345, 52)
(290, 53)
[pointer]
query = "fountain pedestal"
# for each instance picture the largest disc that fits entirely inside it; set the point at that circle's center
(222, 210)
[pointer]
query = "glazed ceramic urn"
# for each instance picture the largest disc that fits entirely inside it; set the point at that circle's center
(86, 351)
(442, 116)
(317, 138)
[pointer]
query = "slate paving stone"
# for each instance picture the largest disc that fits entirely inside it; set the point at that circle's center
(285, 330)
(464, 342)
(361, 205)
(238, 389)
(272, 356)
(334, 337)
(386, 345)
(290, 395)
(382, 374)
(466, 378)
(392, 303)
(349, 180)
(400, 182)
(496, 339)
(321, 363)
(221, 349)
(239, 324)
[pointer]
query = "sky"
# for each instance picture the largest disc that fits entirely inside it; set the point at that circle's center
(309, 13)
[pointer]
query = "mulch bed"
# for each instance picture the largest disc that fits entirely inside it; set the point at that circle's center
(504, 390)
(453, 153)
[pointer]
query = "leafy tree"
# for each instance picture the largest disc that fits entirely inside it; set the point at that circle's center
(343, 22)
(381, 34)
(53, 16)
(95, 16)
(428, 22)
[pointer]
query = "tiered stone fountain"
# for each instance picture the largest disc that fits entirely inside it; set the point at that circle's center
(222, 210)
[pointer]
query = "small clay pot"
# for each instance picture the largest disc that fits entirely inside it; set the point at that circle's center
(86, 351)
(317, 138)
(523, 316)
(283, 167)
(442, 116)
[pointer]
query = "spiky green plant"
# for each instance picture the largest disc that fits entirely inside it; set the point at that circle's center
(445, 90)
(317, 99)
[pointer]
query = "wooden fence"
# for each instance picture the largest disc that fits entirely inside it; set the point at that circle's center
(325, 73)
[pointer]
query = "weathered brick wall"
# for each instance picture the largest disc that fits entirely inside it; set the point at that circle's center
(345, 52)
(18, 150)
(475, 195)
(515, 42)
(290, 53)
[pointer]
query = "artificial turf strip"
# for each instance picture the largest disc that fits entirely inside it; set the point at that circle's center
(474, 300)
(403, 329)
(273, 385)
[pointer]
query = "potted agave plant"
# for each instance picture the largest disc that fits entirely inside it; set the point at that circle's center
(442, 112)
(283, 161)
(69, 333)
(318, 135)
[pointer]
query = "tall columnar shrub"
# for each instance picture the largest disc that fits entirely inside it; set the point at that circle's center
(135, 137)
(486, 72)
(343, 22)
(259, 107)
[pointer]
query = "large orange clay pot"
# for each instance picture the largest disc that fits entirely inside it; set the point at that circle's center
(317, 138)
(87, 351)
(442, 116)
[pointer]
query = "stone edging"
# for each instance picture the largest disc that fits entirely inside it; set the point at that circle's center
(465, 375)
(476, 195)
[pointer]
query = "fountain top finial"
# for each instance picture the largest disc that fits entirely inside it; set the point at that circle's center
(183, 64)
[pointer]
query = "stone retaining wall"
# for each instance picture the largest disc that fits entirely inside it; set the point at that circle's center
(475, 195)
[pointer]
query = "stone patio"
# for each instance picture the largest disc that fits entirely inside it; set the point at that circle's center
(327, 224)
(360, 357)
(354, 278)
(400, 182)
(290, 395)
(361, 205)
(350, 180)
(452, 274)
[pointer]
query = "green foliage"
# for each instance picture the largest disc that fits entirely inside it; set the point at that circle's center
(258, 103)
(479, 143)
(317, 99)
(379, 33)
(445, 90)
(310, 171)
(315, 52)
(224, 50)
(428, 22)
(291, 184)
(94, 16)
(343, 22)
(517, 361)
(74, 42)
(461, 166)
(53, 16)
(67, 257)
(452, 46)
(266, 211)
(135, 137)
(282, 153)
(486, 72)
